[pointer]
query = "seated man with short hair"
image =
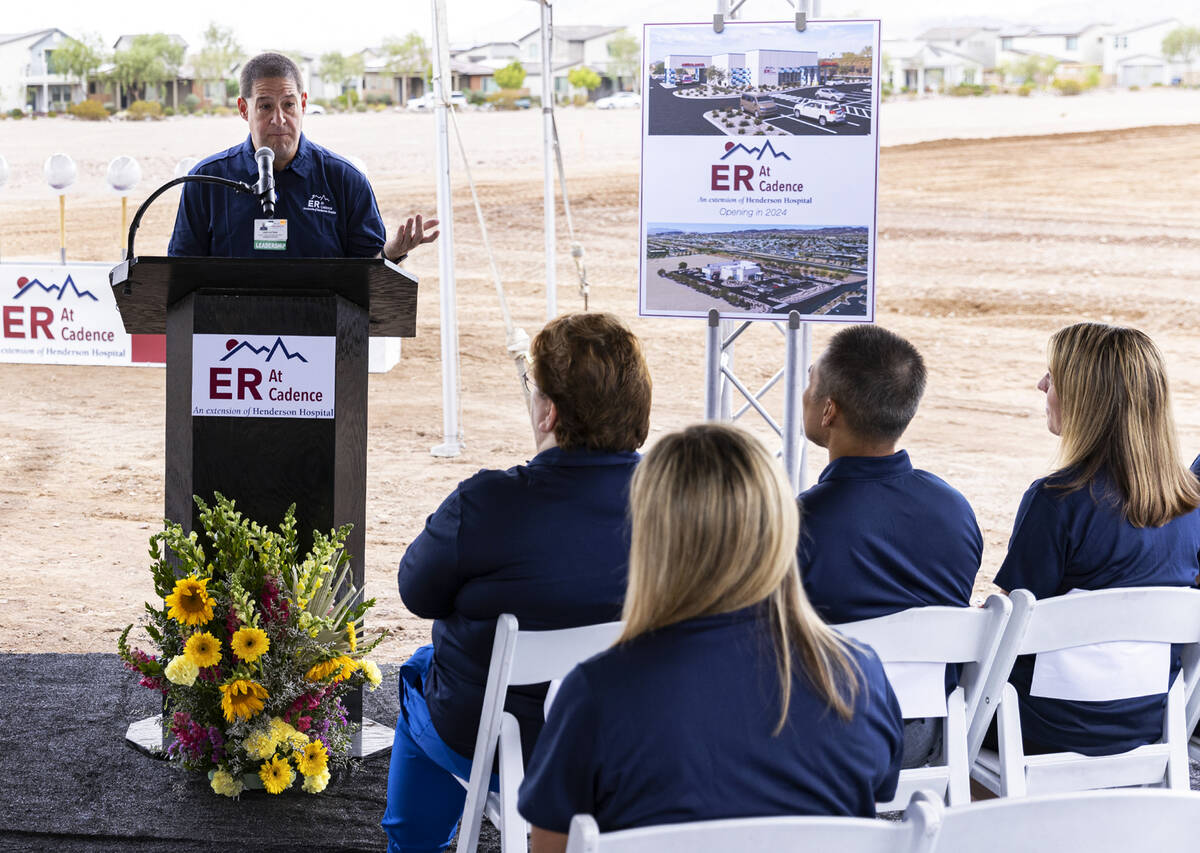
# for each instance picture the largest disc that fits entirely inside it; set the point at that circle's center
(879, 535)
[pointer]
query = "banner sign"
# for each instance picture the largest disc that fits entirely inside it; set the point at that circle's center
(263, 376)
(66, 314)
(760, 162)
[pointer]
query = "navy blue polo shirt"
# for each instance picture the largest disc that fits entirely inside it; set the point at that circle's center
(1196, 467)
(878, 536)
(1080, 540)
(548, 542)
(327, 202)
(678, 725)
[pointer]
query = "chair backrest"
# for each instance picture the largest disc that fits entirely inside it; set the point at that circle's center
(937, 635)
(1116, 821)
(549, 655)
(915, 834)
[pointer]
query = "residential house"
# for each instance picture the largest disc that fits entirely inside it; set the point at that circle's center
(473, 65)
(924, 67)
(978, 43)
(575, 47)
(1135, 56)
(28, 78)
(1077, 50)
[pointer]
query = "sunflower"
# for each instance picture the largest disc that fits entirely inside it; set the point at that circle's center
(277, 775)
(241, 699)
(313, 759)
(250, 644)
(190, 603)
(334, 669)
(203, 649)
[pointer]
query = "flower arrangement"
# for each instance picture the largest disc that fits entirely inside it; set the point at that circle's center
(256, 650)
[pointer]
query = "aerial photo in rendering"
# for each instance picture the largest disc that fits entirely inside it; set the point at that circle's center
(821, 271)
(761, 80)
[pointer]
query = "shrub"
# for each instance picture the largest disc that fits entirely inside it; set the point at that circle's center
(967, 89)
(1135, 88)
(17, 112)
(1024, 90)
(168, 111)
(506, 99)
(89, 111)
(360, 108)
(110, 107)
(191, 103)
(1068, 87)
(379, 98)
(222, 111)
(143, 110)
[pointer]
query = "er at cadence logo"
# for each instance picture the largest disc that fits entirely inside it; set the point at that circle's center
(735, 177)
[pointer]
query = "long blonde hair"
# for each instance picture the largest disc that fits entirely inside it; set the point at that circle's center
(715, 529)
(1116, 418)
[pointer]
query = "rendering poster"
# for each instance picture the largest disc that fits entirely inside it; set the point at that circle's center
(760, 162)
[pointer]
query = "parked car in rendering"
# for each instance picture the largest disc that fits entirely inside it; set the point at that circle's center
(758, 105)
(619, 100)
(829, 94)
(825, 112)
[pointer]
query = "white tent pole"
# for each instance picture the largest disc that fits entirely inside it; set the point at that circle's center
(548, 158)
(451, 429)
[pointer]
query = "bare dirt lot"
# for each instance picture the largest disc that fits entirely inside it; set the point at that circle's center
(985, 247)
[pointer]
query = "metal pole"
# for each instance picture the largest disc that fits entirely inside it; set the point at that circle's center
(451, 429)
(793, 428)
(806, 347)
(62, 228)
(712, 367)
(548, 160)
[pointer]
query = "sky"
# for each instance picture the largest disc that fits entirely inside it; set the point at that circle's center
(318, 28)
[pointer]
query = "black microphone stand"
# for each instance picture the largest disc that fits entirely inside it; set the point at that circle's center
(120, 273)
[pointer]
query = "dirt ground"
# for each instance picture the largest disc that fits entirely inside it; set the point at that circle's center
(985, 247)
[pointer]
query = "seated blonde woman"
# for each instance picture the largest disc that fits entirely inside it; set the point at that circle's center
(1121, 511)
(726, 695)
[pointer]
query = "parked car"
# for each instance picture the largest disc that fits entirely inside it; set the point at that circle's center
(427, 102)
(618, 101)
(314, 110)
(759, 105)
(823, 111)
(829, 94)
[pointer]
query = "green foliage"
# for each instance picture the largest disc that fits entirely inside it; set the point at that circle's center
(1068, 87)
(148, 61)
(191, 103)
(88, 111)
(506, 99)
(341, 70)
(1181, 44)
(383, 98)
(583, 78)
(221, 52)
(1024, 90)
(625, 55)
(967, 89)
(408, 55)
(143, 110)
(78, 57)
(511, 76)
(168, 112)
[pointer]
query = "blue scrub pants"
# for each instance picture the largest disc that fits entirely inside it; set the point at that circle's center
(424, 800)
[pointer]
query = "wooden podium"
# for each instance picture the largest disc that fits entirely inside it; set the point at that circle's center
(239, 332)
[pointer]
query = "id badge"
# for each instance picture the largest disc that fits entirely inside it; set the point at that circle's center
(270, 234)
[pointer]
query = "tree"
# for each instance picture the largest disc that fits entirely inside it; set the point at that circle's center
(221, 52)
(341, 70)
(625, 51)
(716, 75)
(583, 78)
(78, 58)
(1181, 44)
(148, 61)
(511, 76)
(406, 57)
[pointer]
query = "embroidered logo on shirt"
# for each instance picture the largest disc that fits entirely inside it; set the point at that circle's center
(320, 204)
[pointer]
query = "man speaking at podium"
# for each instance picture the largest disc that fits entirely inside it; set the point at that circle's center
(325, 208)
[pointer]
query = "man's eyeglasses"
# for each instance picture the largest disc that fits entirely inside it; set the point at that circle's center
(528, 383)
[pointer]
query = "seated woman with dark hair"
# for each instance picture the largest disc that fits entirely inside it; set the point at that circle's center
(726, 695)
(1121, 511)
(547, 541)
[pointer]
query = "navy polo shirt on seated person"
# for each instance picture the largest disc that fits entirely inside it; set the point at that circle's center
(1196, 467)
(547, 542)
(1080, 540)
(678, 725)
(327, 202)
(878, 536)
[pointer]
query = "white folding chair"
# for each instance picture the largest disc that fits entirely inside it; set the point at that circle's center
(1132, 614)
(1095, 821)
(518, 657)
(915, 646)
(915, 834)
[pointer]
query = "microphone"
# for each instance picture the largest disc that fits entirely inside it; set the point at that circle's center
(266, 180)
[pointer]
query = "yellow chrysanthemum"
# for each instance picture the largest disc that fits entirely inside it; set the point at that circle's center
(181, 671)
(203, 649)
(260, 744)
(242, 699)
(352, 636)
(371, 671)
(313, 760)
(334, 669)
(190, 603)
(277, 775)
(316, 783)
(249, 644)
(223, 783)
(283, 732)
